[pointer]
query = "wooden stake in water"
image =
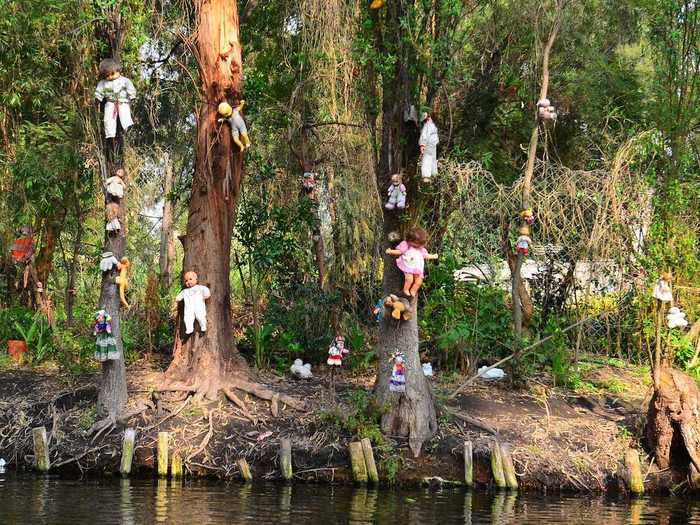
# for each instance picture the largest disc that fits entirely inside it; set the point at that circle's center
(497, 466)
(357, 461)
(286, 458)
(370, 465)
(508, 467)
(127, 451)
(635, 480)
(162, 454)
(176, 466)
(468, 464)
(41, 449)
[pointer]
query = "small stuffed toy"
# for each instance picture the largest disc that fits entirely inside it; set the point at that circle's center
(108, 262)
(428, 143)
(527, 216)
(397, 383)
(239, 131)
(411, 255)
(115, 184)
(194, 296)
(399, 306)
(545, 110)
(397, 193)
(337, 351)
(122, 281)
(300, 370)
(377, 310)
(662, 289)
(676, 318)
(522, 244)
(309, 183)
(116, 92)
(23, 248)
(112, 215)
(106, 345)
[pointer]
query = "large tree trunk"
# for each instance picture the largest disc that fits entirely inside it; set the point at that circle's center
(411, 413)
(167, 246)
(204, 362)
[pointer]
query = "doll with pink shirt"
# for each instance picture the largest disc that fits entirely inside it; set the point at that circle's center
(411, 256)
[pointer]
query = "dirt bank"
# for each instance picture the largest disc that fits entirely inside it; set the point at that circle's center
(569, 439)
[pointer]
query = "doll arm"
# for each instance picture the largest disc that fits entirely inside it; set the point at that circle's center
(431, 257)
(100, 91)
(395, 253)
(179, 297)
(206, 293)
(130, 89)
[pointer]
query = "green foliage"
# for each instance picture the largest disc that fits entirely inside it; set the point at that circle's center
(37, 335)
(10, 318)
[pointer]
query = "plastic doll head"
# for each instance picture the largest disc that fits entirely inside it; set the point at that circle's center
(124, 262)
(225, 109)
(417, 237)
(666, 276)
(110, 69)
(25, 230)
(424, 116)
(120, 173)
(524, 230)
(190, 279)
(112, 211)
(543, 103)
(339, 341)
(396, 179)
(39, 287)
(102, 316)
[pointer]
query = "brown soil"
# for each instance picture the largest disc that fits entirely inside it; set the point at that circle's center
(561, 439)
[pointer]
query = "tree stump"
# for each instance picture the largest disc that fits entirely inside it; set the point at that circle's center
(41, 450)
(127, 451)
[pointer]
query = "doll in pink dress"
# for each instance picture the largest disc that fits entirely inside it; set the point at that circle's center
(411, 259)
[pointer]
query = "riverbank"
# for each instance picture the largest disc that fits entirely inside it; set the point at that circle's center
(562, 439)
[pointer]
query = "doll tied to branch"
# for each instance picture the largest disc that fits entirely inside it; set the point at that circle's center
(239, 131)
(194, 296)
(115, 184)
(122, 281)
(396, 193)
(112, 215)
(22, 252)
(116, 92)
(522, 244)
(411, 256)
(428, 143)
(105, 344)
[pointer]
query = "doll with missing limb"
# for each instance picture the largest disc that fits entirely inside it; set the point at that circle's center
(194, 296)
(411, 255)
(117, 93)
(239, 131)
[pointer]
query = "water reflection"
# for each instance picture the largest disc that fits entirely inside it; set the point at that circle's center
(29, 500)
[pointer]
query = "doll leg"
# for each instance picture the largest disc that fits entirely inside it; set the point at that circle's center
(189, 320)
(401, 202)
(407, 283)
(246, 140)
(238, 141)
(200, 314)
(110, 120)
(125, 116)
(417, 281)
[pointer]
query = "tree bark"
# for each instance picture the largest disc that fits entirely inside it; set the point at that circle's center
(167, 245)
(204, 361)
(72, 270)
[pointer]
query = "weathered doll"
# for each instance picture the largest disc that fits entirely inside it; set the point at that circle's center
(428, 143)
(309, 183)
(676, 318)
(194, 296)
(115, 184)
(116, 92)
(337, 351)
(23, 248)
(545, 110)
(112, 215)
(397, 193)
(662, 289)
(239, 131)
(377, 309)
(397, 383)
(105, 344)
(108, 262)
(122, 281)
(522, 244)
(411, 255)
(527, 216)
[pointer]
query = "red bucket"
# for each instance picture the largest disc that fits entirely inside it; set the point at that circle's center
(16, 349)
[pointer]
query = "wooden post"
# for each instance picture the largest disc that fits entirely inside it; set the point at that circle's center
(508, 467)
(371, 466)
(41, 450)
(127, 451)
(286, 458)
(357, 460)
(635, 480)
(468, 464)
(245, 469)
(162, 454)
(497, 466)
(176, 466)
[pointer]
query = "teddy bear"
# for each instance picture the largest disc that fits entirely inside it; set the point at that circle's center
(400, 307)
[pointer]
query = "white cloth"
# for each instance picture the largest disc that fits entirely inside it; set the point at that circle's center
(115, 186)
(117, 93)
(113, 226)
(676, 318)
(662, 291)
(429, 139)
(194, 306)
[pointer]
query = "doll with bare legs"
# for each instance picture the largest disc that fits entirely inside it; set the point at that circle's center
(411, 256)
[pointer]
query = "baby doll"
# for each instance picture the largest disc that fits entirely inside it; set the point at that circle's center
(545, 110)
(411, 255)
(676, 318)
(309, 183)
(428, 143)
(115, 184)
(662, 288)
(527, 216)
(397, 382)
(337, 351)
(112, 214)
(116, 92)
(522, 244)
(105, 344)
(194, 296)
(238, 127)
(397, 193)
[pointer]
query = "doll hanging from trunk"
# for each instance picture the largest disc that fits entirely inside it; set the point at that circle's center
(522, 244)
(397, 383)
(239, 131)
(428, 143)
(397, 193)
(117, 93)
(411, 259)
(105, 344)
(337, 351)
(115, 184)
(194, 296)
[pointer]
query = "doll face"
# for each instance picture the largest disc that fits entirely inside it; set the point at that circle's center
(524, 230)
(113, 75)
(112, 211)
(340, 343)
(25, 231)
(396, 179)
(190, 279)
(120, 173)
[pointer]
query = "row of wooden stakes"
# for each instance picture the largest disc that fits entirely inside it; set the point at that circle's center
(364, 467)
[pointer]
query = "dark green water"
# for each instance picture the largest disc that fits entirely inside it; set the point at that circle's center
(36, 500)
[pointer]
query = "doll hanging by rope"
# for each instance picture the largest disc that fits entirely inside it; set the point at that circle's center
(428, 142)
(117, 93)
(194, 296)
(239, 131)
(411, 254)
(105, 344)
(396, 193)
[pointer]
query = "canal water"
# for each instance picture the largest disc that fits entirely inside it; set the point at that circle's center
(38, 500)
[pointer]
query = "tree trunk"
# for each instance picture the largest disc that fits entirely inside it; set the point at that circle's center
(167, 245)
(44, 258)
(204, 360)
(72, 270)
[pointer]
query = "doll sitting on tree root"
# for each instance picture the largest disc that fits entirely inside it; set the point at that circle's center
(411, 259)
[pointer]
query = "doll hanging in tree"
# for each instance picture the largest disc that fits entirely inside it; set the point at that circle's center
(397, 193)
(411, 259)
(337, 351)
(239, 131)
(105, 344)
(194, 296)
(428, 143)
(116, 92)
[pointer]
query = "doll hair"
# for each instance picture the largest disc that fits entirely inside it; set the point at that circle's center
(417, 235)
(108, 66)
